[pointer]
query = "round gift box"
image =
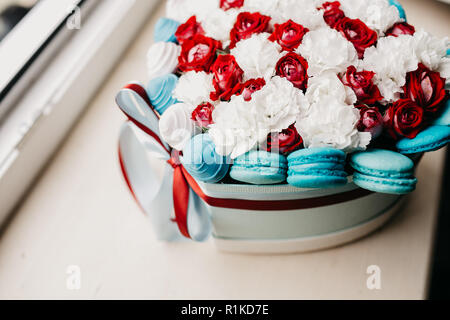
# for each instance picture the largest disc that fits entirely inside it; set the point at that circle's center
(327, 218)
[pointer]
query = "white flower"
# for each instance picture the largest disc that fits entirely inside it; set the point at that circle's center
(176, 126)
(308, 16)
(378, 15)
(162, 58)
(265, 7)
(257, 56)
(326, 49)
(182, 10)
(194, 87)
(239, 125)
(330, 123)
(430, 50)
(218, 23)
(329, 86)
(391, 59)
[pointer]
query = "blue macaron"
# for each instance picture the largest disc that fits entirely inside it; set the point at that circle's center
(317, 168)
(259, 167)
(160, 90)
(202, 162)
(165, 30)
(444, 117)
(383, 171)
(430, 139)
(399, 7)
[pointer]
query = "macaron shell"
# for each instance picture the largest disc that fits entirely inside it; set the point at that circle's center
(381, 162)
(322, 180)
(258, 175)
(165, 30)
(431, 139)
(385, 185)
(444, 118)
(314, 155)
(262, 159)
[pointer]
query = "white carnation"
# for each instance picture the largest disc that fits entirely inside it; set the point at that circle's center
(326, 49)
(378, 15)
(194, 88)
(182, 10)
(391, 60)
(308, 16)
(265, 7)
(218, 23)
(430, 50)
(329, 86)
(330, 123)
(257, 56)
(240, 125)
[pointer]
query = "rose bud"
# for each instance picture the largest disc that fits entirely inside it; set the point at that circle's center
(356, 31)
(202, 115)
(227, 74)
(229, 4)
(248, 88)
(287, 141)
(248, 24)
(198, 54)
(288, 35)
(401, 28)
(371, 121)
(404, 118)
(189, 30)
(294, 68)
(362, 84)
(332, 13)
(426, 88)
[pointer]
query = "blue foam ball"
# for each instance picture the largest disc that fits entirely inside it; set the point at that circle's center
(202, 162)
(165, 30)
(399, 8)
(160, 91)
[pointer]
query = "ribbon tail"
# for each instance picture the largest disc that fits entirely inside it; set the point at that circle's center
(181, 201)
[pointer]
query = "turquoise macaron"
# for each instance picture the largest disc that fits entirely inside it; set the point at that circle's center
(202, 162)
(399, 7)
(444, 117)
(430, 139)
(160, 92)
(165, 30)
(317, 168)
(383, 171)
(259, 167)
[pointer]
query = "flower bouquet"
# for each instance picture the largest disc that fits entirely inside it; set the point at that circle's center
(282, 125)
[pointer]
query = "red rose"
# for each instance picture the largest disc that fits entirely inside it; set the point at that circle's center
(198, 53)
(227, 74)
(294, 68)
(286, 141)
(188, 30)
(248, 24)
(371, 121)
(248, 88)
(403, 119)
(355, 31)
(288, 35)
(332, 13)
(202, 115)
(401, 28)
(361, 83)
(426, 88)
(228, 4)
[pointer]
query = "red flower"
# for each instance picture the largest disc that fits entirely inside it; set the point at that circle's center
(426, 88)
(401, 28)
(248, 24)
(202, 115)
(362, 85)
(188, 30)
(286, 141)
(227, 74)
(294, 68)
(403, 119)
(228, 4)
(198, 53)
(355, 31)
(371, 121)
(332, 13)
(288, 35)
(248, 88)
